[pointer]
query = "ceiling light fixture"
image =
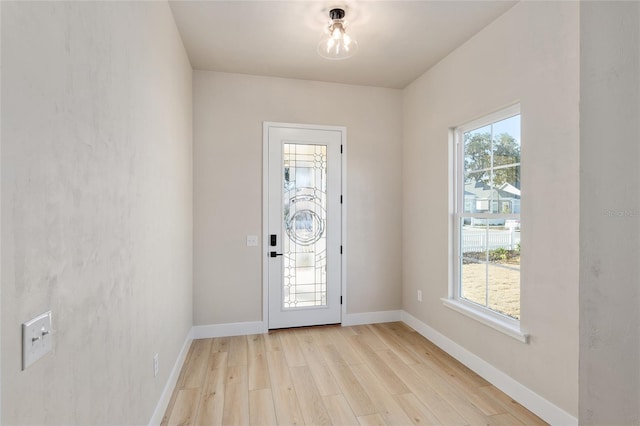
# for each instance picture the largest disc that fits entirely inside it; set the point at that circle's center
(336, 43)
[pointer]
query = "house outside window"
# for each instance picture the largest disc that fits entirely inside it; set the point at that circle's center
(486, 218)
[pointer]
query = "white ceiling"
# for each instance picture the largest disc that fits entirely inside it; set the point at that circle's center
(398, 40)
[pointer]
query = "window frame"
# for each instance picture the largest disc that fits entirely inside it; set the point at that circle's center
(494, 319)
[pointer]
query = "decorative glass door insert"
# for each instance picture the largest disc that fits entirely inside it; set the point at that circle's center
(305, 217)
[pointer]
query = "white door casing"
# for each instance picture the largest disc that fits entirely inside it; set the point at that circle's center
(303, 224)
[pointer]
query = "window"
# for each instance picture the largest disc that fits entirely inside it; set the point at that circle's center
(486, 220)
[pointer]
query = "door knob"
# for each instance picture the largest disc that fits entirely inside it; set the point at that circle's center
(274, 254)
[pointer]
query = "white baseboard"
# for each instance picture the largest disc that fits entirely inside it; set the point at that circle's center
(371, 317)
(228, 329)
(258, 327)
(165, 397)
(544, 409)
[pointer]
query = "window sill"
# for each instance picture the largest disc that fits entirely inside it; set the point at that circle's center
(486, 319)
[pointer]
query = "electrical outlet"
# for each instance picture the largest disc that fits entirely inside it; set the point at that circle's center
(419, 296)
(155, 365)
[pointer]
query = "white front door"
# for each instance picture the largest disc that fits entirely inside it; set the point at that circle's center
(303, 226)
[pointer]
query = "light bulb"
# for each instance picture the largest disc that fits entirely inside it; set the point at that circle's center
(336, 43)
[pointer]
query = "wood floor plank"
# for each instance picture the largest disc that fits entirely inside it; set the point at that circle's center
(446, 363)
(211, 407)
(416, 411)
(513, 407)
(467, 410)
(482, 401)
(398, 327)
(384, 402)
(444, 411)
(198, 362)
(459, 376)
(401, 330)
(337, 339)
(371, 420)
(349, 385)
(285, 399)
(278, 369)
(339, 410)
(220, 344)
(258, 368)
(291, 348)
(313, 410)
(218, 360)
(272, 341)
(393, 384)
(371, 338)
(323, 336)
(504, 419)
(395, 344)
(261, 409)
(323, 377)
(185, 408)
(237, 375)
(255, 345)
(236, 401)
(238, 351)
(347, 331)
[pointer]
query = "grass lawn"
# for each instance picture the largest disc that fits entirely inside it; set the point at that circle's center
(503, 288)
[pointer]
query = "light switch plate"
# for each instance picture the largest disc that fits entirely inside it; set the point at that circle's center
(36, 339)
(252, 240)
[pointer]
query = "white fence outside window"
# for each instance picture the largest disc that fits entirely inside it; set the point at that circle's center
(475, 239)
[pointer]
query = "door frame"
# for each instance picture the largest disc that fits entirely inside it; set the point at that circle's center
(265, 212)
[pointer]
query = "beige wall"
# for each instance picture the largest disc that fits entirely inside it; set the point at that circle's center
(228, 113)
(96, 207)
(529, 55)
(609, 213)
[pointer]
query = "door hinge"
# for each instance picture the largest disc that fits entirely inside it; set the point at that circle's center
(341, 199)
(341, 300)
(340, 249)
(340, 149)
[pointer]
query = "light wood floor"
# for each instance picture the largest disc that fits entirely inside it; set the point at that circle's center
(363, 375)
